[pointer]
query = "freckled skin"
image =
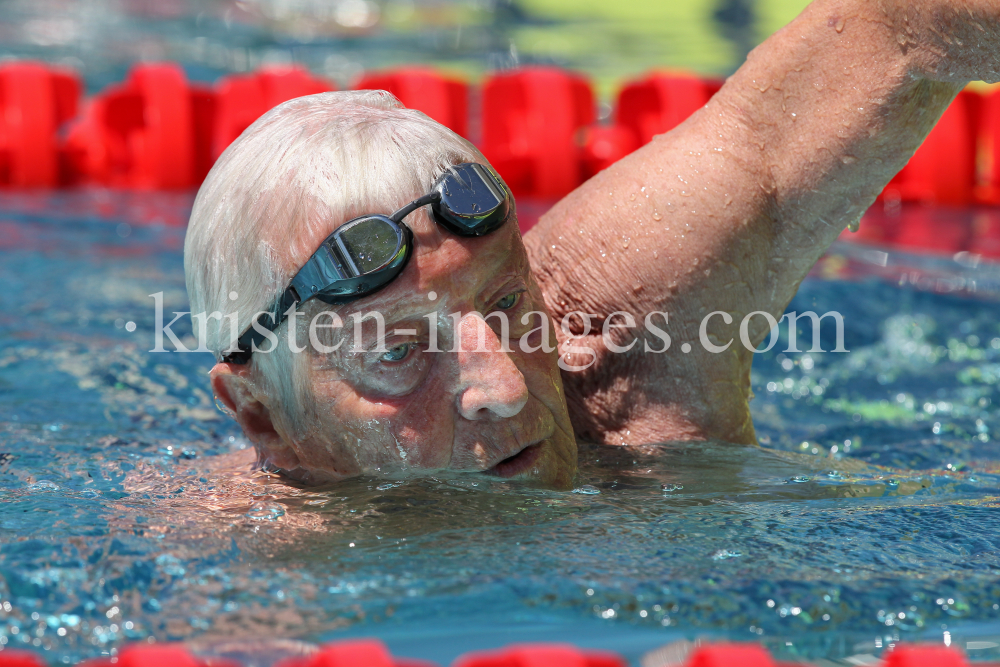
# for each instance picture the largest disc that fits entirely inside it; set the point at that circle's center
(728, 212)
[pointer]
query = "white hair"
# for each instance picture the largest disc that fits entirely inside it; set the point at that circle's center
(282, 187)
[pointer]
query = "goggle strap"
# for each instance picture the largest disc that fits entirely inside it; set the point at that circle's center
(269, 320)
(429, 198)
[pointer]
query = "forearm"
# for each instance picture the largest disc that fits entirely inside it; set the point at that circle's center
(835, 104)
(954, 41)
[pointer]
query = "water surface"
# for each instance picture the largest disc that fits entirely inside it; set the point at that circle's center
(868, 517)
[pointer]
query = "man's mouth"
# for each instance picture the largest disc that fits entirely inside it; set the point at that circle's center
(518, 463)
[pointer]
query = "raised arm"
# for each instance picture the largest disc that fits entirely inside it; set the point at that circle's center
(730, 210)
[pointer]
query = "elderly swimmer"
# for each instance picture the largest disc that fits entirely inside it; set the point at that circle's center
(346, 203)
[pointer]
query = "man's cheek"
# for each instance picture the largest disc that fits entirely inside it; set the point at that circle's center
(429, 448)
(424, 437)
(542, 376)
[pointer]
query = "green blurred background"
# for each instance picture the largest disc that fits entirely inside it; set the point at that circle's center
(341, 39)
(611, 40)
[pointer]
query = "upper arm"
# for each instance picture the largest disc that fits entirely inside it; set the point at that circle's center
(730, 210)
(747, 194)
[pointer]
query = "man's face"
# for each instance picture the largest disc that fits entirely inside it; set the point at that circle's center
(405, 407)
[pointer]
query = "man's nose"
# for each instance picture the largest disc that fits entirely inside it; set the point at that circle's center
(490, 385)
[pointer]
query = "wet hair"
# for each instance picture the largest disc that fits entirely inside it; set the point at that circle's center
(283, 186)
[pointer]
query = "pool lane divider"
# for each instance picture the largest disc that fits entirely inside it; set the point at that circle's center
(157, 130)
(373, 653)
(537, 125)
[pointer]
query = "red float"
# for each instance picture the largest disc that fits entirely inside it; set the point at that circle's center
(15, 658)
(603, 145)
(729, 655)
(242, 99)
(734, 655)
(943, 170)
(353, 653)
(988, 185)
(660, 102)
(540, 655)
(155, 655)
(151, 132)
(925, 656)
(35, 100)
(443, 98)
(531, 120)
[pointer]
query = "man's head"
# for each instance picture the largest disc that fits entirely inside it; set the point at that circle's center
(376, 404)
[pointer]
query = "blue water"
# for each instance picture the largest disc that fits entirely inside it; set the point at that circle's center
(121, 517)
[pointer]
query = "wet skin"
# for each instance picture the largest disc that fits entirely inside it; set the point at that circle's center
(406, 408)
(728, 212)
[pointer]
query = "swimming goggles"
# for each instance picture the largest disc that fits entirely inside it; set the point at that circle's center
(365, 254)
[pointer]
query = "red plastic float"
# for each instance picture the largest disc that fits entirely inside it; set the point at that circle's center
(541, 655)
(35, 100)
(646, 107)
(603, 145)
(726, 655)
(988, 130)
(242, 99)
(17, 658)
(156, 655)
(925, 656)
(151, 132)
(355, 653)
(531, 120)
(443, 98)
(660, 102)
(373, 653)
(943, 170)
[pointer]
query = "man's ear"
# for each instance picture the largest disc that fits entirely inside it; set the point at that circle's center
(232, 385)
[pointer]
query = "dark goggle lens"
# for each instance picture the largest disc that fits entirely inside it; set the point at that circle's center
(370, 244)
(473, 202)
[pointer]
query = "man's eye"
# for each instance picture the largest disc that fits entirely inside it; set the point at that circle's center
(397, 353)
(508, 301)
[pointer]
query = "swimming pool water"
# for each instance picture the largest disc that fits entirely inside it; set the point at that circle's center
(868, 517)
